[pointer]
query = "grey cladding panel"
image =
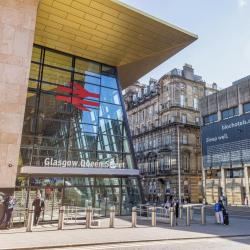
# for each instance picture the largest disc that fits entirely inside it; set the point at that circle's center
(203, 106)
(232, 96)
(222, 99)
(244, 92)
(212, 104)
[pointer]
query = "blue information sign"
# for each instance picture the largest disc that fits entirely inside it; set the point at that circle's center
(226, 142)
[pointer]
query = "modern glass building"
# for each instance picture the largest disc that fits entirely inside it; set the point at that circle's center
(65, 132)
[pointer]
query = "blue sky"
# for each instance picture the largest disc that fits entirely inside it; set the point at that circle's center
(222, 52)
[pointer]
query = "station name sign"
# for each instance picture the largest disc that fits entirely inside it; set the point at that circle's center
(51, 162)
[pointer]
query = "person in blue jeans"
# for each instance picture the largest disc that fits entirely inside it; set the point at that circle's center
(218, 209)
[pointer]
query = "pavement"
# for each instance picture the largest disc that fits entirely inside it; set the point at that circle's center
(235, 243)
(75, 235)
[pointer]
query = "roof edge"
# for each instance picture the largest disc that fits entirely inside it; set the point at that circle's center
(155, 18)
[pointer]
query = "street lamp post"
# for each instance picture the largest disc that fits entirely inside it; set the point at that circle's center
(179, 162)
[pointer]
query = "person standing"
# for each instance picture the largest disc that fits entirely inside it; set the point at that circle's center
(9, 204)
(176, 210)
(39, 205)
(218, 207)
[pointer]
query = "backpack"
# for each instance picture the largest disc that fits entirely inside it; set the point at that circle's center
(217, 207)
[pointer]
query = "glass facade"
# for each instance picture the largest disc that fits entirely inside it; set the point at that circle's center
(228, 113)
(74, 117)
(210, 118)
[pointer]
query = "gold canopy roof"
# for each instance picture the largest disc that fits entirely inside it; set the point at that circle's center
(109, 32)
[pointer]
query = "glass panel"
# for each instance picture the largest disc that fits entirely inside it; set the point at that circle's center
(36, 54)
(92, 79)
(110, 95)
(107, 70)
(246, 107)
(110, 143)
(79, 181)
(111, 160)
(87, 67)
(78, 196)
(111, 111)
(111, 127)
(109, 81)
(34, 71)
(93, 89)
(79, 140)
(85, 117)
(58, 60)
(33, 85)
(56, 76)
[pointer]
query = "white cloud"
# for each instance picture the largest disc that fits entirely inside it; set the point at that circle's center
(242, 3)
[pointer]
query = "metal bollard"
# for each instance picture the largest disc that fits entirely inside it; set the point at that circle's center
(61, 218)
(25, 217)
(153, 215)
(191, 213)
(172, 217)
(188, 216)
(180, 211)
(88, 217)
(203, 215)
(112, 216)
(134, 217)
(30, 219)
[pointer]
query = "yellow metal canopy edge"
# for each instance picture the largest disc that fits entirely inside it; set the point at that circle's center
(109, 32)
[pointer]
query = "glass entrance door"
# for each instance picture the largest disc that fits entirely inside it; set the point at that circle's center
(52, 197)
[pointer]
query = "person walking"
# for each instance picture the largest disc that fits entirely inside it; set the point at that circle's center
(39, 205)
(9, 204)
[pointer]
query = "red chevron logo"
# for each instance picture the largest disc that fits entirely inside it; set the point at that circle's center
(78, 93)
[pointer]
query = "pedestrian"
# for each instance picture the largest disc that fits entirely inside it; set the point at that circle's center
(167, 206)
(177, 210)
(39, 205)
(218, 208)
(9, 204)
(246, 201)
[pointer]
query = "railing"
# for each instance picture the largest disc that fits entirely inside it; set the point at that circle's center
(89, 216)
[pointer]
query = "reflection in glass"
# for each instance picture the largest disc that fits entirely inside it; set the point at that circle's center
(109, 81)
(110, 95)
(57, 60)
(111, 111)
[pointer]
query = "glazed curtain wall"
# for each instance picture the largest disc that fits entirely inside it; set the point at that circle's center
(61, 125)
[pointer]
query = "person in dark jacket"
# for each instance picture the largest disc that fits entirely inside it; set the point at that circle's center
(176, 210)
(38, 204)
(9, 204)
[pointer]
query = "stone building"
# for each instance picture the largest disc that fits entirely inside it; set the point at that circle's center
(226, 143)
(156, 112)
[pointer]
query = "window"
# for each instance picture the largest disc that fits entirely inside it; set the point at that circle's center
(246, 107)
(196, 103)
(184, 139)
(234, 173)
(195, 90)
(182, 100)
(185, 162)
(228, 113)
(165, 162)
(210, 118)
(197, 120)
(184, 118)
(166, 139)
